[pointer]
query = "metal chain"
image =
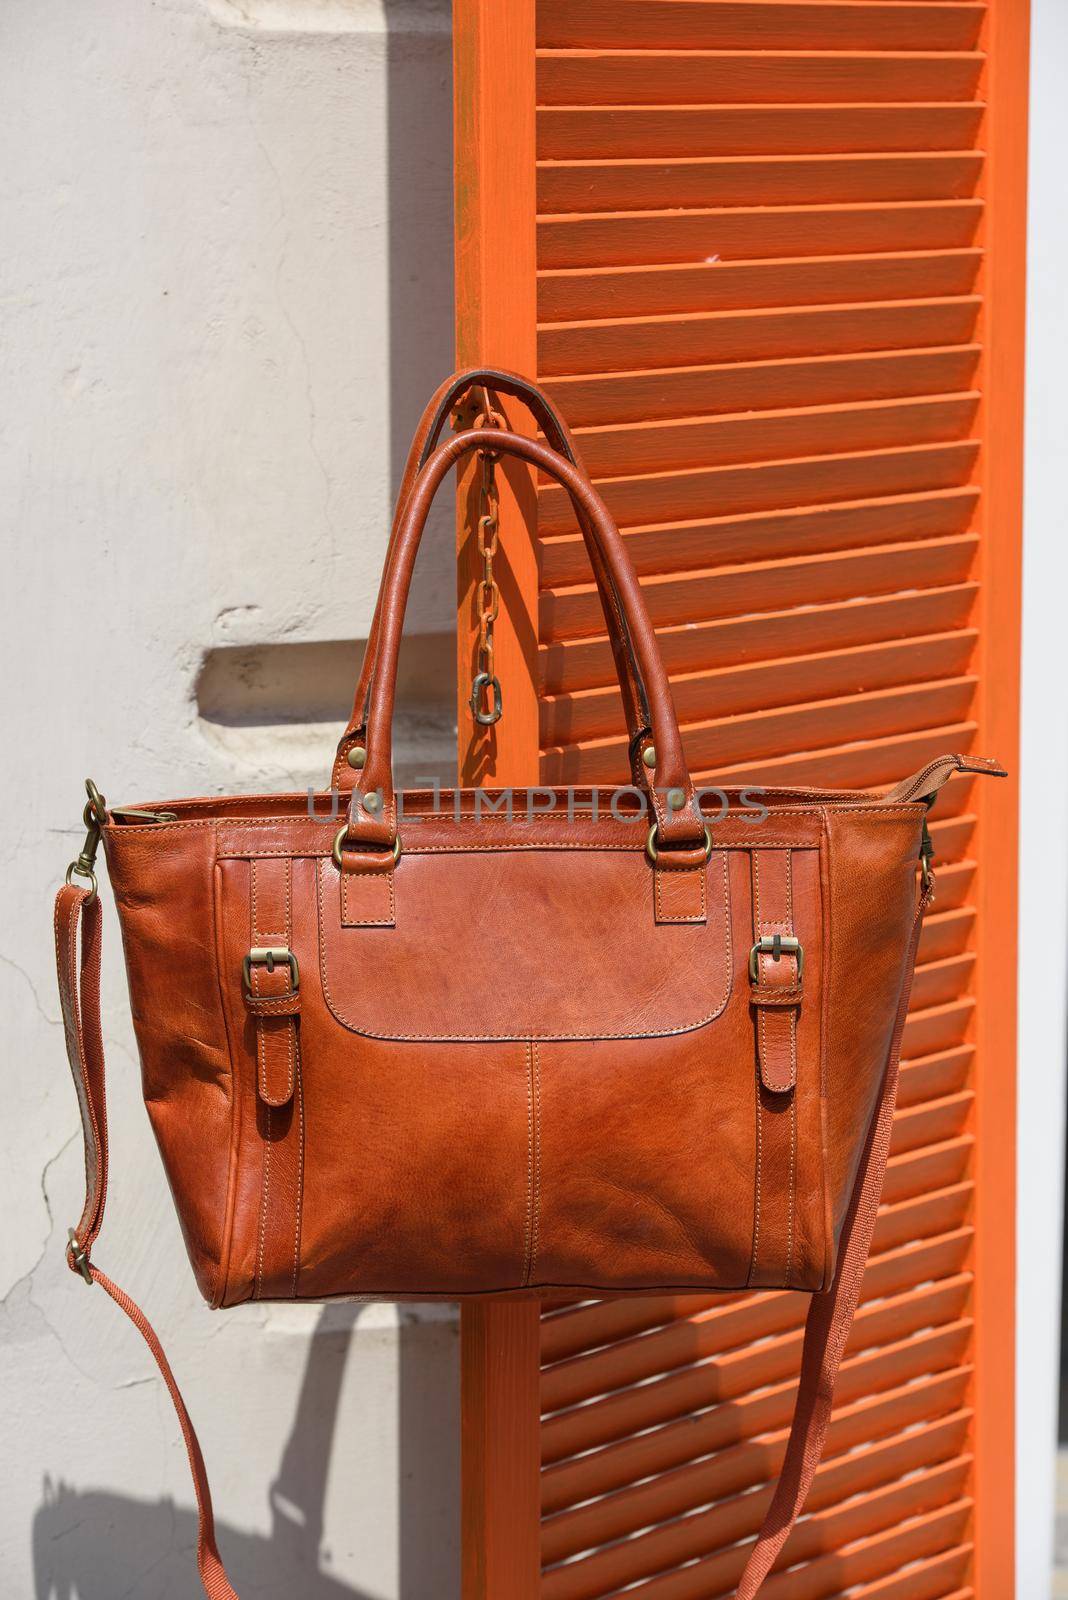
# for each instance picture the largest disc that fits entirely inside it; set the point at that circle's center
(485, 702)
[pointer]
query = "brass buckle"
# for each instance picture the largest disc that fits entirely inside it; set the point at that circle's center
(775, 945)
(78, 1257)
(270, 956)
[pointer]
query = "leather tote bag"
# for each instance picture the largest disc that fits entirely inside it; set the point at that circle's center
(444, 1045)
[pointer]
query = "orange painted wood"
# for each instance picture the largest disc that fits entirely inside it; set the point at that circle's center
(749, 24)
(690, 647)
(774, 435)
(739, 1516)
(734, 691)
(1005, 87)
(813, 480)
(495, 316)
(641, 77)
(740, 1371)
(573, 132)
(945, 1071)
(800, 530)
(727, 591)
(723, 1330)
(500, 1448)
(493, 66)
(937, 1165)
(745, 233)
(916, 1362)
(707, 181)
(677, 1491)
(766, 333)
(575, 294)
(870, 762)
(602, 398)
(925, 1580)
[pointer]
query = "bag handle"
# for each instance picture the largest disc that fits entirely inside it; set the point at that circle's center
(827, 1327)
(372, 817)
(559, 438)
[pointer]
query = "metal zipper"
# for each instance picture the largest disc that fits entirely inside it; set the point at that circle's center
(134, 815)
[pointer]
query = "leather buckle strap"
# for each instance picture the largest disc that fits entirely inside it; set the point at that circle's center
(271, 956)
(271, 977)
(271, 974)
(776, 945)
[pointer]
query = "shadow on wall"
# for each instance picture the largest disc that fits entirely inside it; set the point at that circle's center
(92, 1545)
(95, 1545)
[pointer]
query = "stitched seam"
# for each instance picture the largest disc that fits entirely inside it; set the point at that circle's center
(768, 994)
(793, 1190)
(536, 1205)
(351, 921)
(298, 1090)
(791, 1024)
(759, 1105)
(528, 1234)
(668, 916)
(759, 1162)
(759, 929)
(318, 852)
(784, 925)
(791, 1020)
(73, 1031)
(804, 807)
(480, 1038)
(265, 1034)
(263, 1201)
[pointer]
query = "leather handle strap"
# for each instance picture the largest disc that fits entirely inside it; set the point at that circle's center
(827, 1328)
(558, 437)
(372, 819)
(557, 433)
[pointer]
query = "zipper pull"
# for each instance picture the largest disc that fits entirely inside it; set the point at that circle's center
(132, 814)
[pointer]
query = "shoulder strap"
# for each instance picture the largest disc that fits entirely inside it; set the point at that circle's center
(79, 993)
(830, 1315)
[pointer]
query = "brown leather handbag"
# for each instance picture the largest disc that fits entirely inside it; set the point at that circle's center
(453, 1045)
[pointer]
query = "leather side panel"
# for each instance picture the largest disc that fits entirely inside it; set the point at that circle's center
(872, 873)
(163, 891)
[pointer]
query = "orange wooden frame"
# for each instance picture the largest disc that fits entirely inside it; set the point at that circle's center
(496, 323)
(1006, 41)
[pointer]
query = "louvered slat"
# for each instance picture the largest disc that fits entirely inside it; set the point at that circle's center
(760, 294)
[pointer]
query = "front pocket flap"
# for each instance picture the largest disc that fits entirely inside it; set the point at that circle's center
(526, 944)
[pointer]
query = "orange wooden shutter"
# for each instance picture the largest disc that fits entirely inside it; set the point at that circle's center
(768, 256)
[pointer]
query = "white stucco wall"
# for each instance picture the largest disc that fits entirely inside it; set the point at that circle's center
(226, 291)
